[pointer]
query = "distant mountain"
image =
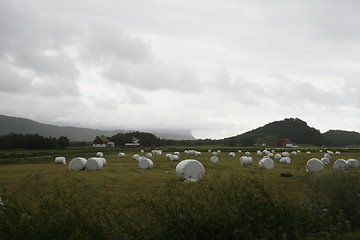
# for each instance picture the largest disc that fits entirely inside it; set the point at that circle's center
(295, 130)
(343, 138)
(26, 126)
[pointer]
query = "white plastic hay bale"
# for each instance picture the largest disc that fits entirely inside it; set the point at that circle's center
(136, 157)
(308, 153)
(314, 165)
(122, 155)
(214, 153)
(218, 151)
(173, 158)
(239, 151)
(209, 151)
(148, 155)
(94, 163)
(177, 153)
(337, 153)
(266, 163)
(232, 154)
(77, 164)
(190, 170)
(270, 155)
(145, 163)
(285, 160)
(277, 156)
(325, 160)
(298, 151)
(353, 163)
(285, 154)
(340, 164)
(168, 155)
(258, 152)
(294, 152)
(214, 159)
(197, 153)
(321, 151)
(247, 153)
(99, 154)
(60, 160)
(245, 160)
(103, 161)
(327, 155)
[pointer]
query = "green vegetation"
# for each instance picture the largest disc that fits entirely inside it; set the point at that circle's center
(32, 141)
(46, 201)
(343, 138)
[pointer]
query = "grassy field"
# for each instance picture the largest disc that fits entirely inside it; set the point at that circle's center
(33, 180)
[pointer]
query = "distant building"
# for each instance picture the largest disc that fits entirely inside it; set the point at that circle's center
(134, 144)
(284, 142)
(102, 141)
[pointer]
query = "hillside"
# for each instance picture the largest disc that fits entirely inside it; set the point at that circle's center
(294, 129)
(343, 138)
(27, 126)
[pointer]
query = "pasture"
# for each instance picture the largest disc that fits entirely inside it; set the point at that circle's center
(129, 200)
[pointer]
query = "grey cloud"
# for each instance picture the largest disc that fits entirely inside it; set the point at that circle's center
(11, 81)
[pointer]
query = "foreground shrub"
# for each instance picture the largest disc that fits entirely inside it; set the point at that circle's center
(234, 208)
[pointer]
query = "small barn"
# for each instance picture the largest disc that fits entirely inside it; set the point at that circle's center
(284, 142)
(102, 141)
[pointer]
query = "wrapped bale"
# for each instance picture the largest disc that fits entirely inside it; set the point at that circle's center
(136, 157)
(325, 160)
(247, 153)
(340, 164)
(285, 160)
(77, 164)
(94, 163)
(214, 159)
(245, 160)
(266, 163)
(197, 153)
(148, 155)
(232, 154)
(121, 155)
(60, 160)
(314, 165)
(277, 156)
(353, 163)
(145, 163)
(190, 170)
(214, 153)
(99, 154)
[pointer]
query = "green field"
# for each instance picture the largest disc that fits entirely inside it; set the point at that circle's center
(31, 184)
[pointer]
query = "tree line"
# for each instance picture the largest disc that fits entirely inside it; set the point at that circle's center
(32, 141)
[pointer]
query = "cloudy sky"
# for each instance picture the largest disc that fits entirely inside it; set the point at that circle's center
(216, 68)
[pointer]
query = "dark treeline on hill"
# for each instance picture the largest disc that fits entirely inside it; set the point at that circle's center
(294, 129)
(343, 138)
(32, 141)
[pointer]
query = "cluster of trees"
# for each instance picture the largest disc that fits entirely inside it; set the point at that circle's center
(32, 141)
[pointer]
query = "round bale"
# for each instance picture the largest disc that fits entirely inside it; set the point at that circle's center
(314, 165)
(99, 154)
(285, 160)
(340, 164)
(77, 164)
(94, 163)
(145, 163)
(353, 163)
(266, 163)
(190, 170)
(60, 160)
(214, 159)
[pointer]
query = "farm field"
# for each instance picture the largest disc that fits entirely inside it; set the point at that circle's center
(121, 187)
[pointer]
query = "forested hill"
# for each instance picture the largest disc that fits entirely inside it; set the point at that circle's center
(343, 138)
(26, 126)
(295, 130)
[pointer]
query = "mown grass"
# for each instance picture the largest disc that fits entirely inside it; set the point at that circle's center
(46, 201)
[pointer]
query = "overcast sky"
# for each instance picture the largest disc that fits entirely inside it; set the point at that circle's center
(216, 68)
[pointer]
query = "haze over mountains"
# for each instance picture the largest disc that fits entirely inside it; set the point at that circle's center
(26, 126)
(294, 129)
